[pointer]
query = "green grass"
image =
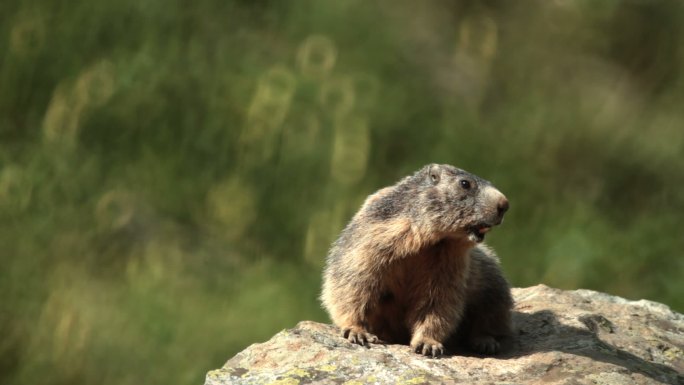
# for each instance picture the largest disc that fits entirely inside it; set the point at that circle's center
(171, 174)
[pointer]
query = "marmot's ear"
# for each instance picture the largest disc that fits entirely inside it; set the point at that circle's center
(432, 173)
(428, 168)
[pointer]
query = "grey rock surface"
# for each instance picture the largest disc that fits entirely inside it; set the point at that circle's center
(561, 337)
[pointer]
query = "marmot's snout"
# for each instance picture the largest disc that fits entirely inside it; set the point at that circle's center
(495, 206)
(502, 207)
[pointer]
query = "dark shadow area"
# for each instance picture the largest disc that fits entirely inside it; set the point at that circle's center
(542, 332)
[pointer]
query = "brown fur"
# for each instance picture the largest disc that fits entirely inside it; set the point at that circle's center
(409, 267)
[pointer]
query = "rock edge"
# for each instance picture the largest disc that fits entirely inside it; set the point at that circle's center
(561, 337)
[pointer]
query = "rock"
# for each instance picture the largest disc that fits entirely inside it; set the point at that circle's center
(560, 337)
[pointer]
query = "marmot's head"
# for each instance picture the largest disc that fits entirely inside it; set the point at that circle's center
(457, 202)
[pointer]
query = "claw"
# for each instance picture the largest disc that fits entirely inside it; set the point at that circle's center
(359, 336)
(437, 351)
(487, 345)
(431, 348)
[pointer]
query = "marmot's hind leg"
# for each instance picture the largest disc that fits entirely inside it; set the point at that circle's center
(486, 326)
(487, 318)
(486, 329)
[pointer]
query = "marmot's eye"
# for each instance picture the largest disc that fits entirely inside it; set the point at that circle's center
(434, 177)
(465, 184)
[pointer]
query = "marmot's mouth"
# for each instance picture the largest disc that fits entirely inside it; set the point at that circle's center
(477, 233)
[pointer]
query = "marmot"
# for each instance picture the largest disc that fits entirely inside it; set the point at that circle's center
(410, 267)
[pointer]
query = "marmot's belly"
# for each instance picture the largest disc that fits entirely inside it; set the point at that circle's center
(389, 321)
(403, 293)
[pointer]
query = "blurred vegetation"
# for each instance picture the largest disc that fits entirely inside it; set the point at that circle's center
(172, 173)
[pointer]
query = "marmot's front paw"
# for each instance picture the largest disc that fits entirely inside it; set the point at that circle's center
(359, 335)
(428, 347)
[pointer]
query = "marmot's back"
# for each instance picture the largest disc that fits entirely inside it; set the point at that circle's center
(408, 267)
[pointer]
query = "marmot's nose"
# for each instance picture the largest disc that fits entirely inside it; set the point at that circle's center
(502, 206)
